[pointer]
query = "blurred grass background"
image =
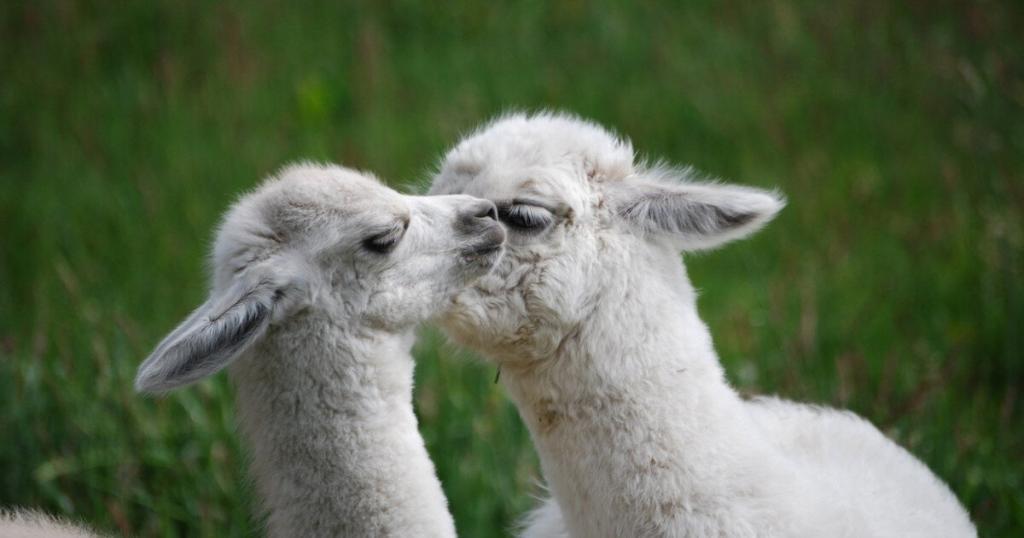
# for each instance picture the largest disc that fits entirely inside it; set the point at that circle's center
(891, 285)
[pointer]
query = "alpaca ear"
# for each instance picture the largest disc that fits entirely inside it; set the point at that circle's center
(696, 215)
(210, 338)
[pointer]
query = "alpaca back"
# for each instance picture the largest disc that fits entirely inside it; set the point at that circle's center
(881, 486)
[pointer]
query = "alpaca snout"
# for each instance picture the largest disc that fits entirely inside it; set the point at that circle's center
(490, 239)
(478, 222)
(476, 216)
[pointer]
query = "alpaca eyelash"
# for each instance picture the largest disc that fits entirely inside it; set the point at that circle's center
(383, 243)
(523, 217)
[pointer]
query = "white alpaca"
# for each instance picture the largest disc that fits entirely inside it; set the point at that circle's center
(594, 324)
(30, 524)
(319, 279)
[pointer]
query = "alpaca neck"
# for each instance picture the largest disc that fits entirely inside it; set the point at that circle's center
(333, 438)
(636, 428)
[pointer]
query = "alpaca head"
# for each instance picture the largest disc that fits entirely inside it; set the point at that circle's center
(586, 224)
(331, 239)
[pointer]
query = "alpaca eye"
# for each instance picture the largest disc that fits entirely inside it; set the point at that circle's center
(383, 243)
(525, 218)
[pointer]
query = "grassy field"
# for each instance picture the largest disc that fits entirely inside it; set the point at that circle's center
(893, 284)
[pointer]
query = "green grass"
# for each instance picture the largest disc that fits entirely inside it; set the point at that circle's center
(893, 284)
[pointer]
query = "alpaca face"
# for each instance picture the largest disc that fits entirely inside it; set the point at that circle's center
(335, 241)
(587, 228)
(379, 257)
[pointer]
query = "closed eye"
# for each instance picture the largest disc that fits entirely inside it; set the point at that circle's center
(525, 218)
(385, 242)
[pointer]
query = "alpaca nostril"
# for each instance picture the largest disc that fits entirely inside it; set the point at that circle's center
(488, 212)
(478, 215)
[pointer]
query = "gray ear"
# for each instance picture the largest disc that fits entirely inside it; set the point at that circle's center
(210, 338)
(695, 215)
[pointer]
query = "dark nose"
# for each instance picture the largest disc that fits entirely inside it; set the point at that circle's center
(478, 216)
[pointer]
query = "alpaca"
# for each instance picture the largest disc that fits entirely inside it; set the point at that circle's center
(31, 524)
(319, 279)
(593, 321)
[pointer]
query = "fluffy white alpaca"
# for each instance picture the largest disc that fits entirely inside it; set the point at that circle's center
(319, 279)
(31, 524)
(594, 324)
